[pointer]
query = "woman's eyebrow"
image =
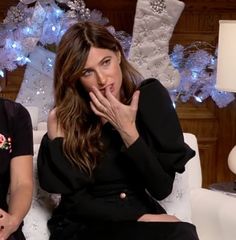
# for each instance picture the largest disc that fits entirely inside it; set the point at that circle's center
(90, 68)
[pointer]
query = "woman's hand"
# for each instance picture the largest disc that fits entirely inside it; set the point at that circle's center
(158, 218)
(121, 116)
(8, 224)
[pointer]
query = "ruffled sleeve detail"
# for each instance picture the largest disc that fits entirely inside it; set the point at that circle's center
(56, 174)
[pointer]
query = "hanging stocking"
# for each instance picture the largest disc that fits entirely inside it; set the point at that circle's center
(153, 27)
(37, 85)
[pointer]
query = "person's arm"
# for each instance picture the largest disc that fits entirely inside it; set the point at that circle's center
(160, 150)
(21, 173)
(156, 149)
(21, 187)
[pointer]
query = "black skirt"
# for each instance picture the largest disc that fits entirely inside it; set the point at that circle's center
(125, 231)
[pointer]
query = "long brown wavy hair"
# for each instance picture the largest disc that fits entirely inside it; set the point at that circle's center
(81, 127)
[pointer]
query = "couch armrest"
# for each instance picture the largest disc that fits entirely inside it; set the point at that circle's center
(214, 214)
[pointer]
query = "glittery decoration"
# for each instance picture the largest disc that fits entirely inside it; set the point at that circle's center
(15, 15)
(158, 6)
(46, 23)
(123, 37)
(197, 66)
(151, 35)
(78, 8)
(62, 1)
(37, 86)
(41, 25)
(25, 27)
(48, 64)
(27, 1)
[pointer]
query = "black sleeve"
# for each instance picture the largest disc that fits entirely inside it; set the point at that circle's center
(55, 172)
(57, 175)
(160, 150)
(22, 142)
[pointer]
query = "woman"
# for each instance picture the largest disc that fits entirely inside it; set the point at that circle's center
(16, 150)
(111, 148)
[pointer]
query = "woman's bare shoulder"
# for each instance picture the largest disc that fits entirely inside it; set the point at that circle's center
(54, 129)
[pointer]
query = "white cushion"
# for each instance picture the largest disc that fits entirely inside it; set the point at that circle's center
(34, 113)
(37, 136)
(178, 202)
(42, 126)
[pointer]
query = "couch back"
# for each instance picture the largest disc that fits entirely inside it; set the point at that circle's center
(177, 203)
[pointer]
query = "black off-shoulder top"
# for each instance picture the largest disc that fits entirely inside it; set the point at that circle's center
(125, 178)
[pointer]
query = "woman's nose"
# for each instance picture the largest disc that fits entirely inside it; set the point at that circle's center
(101, 78)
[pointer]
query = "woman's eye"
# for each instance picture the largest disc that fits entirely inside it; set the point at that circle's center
(86, 73)
(106, 62)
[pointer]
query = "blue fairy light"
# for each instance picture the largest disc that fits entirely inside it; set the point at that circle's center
(19, 58)
(50, 62)
(27, 60)
(1, 73)
(58, 12)
(213, 60)
(194, 75)
(174, 105)
(27, 31)
(198, 99)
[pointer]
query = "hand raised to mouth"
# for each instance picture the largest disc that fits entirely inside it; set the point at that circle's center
(121, 116)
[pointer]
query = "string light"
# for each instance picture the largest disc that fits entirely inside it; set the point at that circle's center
(1, 73)
(26, 27)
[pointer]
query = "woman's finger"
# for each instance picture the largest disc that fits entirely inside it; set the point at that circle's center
(135, 100)
(96, 111)
(100, 97)
(111, 98)
(99, 106)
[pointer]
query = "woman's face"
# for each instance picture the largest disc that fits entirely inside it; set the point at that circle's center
(102, 70)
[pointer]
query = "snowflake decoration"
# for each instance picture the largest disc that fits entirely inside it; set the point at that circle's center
(158, 6)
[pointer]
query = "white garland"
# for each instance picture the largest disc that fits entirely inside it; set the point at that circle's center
(26, 27)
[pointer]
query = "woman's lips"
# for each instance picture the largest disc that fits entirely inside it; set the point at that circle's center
(110, 87)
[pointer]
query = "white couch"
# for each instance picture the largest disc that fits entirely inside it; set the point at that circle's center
(213, 213)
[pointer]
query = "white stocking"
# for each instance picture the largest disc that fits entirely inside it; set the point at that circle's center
(37, 86)
(153, 27)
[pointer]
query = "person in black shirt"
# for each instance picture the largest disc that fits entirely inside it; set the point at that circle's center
(113, 146)
(16, 151)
